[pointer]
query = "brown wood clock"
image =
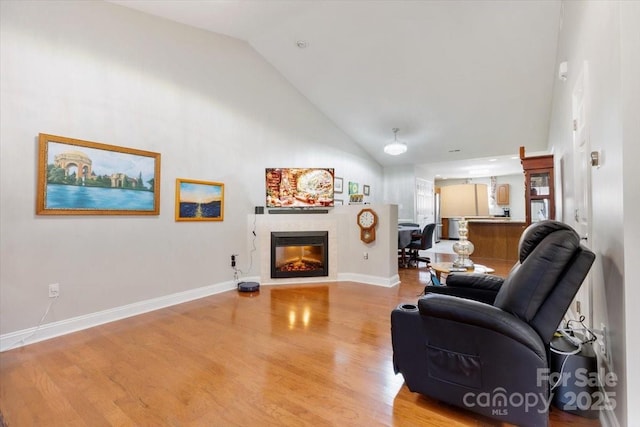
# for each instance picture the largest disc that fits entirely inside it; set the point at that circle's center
(367, 220)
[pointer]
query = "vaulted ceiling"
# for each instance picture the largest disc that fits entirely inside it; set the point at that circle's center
(462, 79)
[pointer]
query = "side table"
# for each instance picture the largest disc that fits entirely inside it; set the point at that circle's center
(445, 267)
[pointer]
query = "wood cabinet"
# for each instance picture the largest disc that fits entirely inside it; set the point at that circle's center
(502, 194)
(445, 228)
(539, 187)
(464, 200)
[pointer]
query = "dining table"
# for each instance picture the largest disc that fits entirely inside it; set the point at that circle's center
(405, 235)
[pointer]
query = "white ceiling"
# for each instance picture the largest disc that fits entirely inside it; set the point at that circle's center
(468, 75)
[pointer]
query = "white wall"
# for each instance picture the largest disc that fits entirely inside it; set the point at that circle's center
(605, 36)
(400, 189)
(209, 104)
(380, 267)
(630, 89)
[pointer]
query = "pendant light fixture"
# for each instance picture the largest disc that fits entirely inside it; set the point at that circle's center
(396, 147)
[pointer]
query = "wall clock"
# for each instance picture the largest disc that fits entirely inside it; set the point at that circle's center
(367, 221)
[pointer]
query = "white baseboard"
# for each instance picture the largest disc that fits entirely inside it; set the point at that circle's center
(345, 277)
(55, 329)
(607, 414)
(370, 280)
(608, 418)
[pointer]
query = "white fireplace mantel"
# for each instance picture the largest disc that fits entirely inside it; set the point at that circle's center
(350, 259)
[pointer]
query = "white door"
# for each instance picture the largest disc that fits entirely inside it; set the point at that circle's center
(425, 208)
(582, 181)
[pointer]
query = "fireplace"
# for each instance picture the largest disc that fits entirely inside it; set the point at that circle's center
(299, 254)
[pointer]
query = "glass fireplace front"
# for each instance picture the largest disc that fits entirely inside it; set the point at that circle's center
(299, 254)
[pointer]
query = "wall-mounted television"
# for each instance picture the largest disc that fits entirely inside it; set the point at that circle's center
(299, 187)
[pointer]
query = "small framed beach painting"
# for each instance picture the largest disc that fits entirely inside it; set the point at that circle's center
(199, 200)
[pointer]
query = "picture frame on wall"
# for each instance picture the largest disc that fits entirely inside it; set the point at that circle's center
(366, 190)
(338, 202)
(338, 184)
(77, 177)
(199, 200)
(356, 199)
(353, 187)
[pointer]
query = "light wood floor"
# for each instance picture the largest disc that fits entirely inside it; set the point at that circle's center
(316, 355)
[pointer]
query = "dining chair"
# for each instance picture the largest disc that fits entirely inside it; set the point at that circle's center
(425, 242)
(403, 255)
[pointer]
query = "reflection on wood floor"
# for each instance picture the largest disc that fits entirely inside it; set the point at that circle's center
(314, 354)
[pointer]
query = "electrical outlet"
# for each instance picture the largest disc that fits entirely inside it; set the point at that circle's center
(365, 255)
(233, 260)
(578, 307)
(54, 290)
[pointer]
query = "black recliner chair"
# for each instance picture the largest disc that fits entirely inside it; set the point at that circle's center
(492, 357)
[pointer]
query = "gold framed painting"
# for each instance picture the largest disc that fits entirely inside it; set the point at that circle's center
(199, 200)
(77, 177)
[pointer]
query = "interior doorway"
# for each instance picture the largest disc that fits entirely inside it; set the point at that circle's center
(425, 204)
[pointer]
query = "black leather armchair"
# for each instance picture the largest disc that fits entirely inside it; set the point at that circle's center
(492, 357)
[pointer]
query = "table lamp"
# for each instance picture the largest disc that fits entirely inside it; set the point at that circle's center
(463, 248)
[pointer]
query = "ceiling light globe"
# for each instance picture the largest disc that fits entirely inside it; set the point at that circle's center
(395, 148)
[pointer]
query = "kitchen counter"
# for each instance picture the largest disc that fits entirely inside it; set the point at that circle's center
(496, 220)
(495, 238)
(487, 219)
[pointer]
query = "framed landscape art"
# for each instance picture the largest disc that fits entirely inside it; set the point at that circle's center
(353, 187)
(199, 200)
(77, 177)
(338, 184)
